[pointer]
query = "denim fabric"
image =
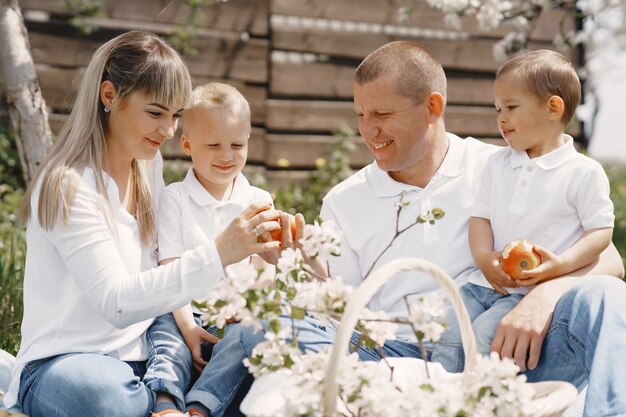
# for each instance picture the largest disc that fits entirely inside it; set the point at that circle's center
(83, 384)
(169, 360)
(586, 344)
(219, 381)
(486, 307)
(314, 335)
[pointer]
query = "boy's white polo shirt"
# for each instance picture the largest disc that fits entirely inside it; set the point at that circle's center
(189, 216)
(550, 200)
(364, 208)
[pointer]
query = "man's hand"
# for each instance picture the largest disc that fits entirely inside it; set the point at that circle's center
(521, 332)
(194, 339)
(489, 264)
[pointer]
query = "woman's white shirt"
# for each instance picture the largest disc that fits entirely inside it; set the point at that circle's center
(88, 289)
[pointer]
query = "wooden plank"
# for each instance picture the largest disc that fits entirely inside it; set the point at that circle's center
(328, 116)
(313, 115)
(470, 55)
(333, 81)
(302, 151)
(246, 61)
(236, 15)
(50, 6)
(240, 60)
(58, 85)
(311, 80)
(422, 16)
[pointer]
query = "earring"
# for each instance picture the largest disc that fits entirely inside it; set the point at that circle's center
(107, 109)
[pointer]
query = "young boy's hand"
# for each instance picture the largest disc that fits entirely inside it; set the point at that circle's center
(194, 339)
(489, 264)
(551, 266)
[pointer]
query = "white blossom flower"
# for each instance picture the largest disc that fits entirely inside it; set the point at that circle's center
(321, 240)
(322, 298)
(242, 276)
(289, 268)
(377, 326)
(272, 354)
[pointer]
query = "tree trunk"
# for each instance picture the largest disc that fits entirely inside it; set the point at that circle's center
(27, 109)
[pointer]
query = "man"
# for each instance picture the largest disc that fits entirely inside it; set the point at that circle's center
(558, 331)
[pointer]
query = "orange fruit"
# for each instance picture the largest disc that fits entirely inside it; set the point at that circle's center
(517, 256)
(278, 233)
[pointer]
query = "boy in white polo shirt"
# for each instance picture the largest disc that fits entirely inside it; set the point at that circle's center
(538, 188)
(196, 210)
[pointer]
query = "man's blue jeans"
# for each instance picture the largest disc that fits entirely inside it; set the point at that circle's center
(585, 344)
(314, 335)
(95, 385)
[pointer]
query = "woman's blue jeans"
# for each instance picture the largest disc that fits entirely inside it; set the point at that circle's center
(95, 385)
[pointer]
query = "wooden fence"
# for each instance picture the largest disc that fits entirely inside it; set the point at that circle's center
(292, 59)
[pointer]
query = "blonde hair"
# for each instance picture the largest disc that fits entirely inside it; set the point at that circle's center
(134, 62)
(416, 72)
(546, 73)
(222, 96)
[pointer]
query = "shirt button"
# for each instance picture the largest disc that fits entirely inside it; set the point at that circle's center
(529, 169)
(524, 183)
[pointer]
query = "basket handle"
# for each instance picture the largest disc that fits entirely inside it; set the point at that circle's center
(366, 291)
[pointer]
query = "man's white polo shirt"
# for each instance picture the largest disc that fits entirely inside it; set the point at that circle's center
(550, 200)
(189, 216)
(364, 208)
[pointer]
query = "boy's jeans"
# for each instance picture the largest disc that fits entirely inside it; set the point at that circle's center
(96, 385)
(486, 307)
(225, 373)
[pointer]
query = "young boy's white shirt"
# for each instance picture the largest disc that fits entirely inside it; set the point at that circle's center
(85, 262)
(189, 216)
(550, 200)
(364, 209)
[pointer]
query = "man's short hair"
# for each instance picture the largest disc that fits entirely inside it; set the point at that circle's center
(417, 73)
(546, 73)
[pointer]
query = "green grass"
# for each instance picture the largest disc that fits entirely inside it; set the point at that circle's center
(617, 177)
(11, 275)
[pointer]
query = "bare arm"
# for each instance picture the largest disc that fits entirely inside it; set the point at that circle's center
(582, 253)
(523, 329)
(481, 245)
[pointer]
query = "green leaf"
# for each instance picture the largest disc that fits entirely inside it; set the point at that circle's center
(297, 313)
(274, 326)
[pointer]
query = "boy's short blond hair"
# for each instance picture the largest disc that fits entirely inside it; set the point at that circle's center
(546, 73)
(223, 96)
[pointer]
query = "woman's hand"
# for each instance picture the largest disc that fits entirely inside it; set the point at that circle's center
(240, 238)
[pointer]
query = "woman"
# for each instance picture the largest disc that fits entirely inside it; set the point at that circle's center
(91, 285)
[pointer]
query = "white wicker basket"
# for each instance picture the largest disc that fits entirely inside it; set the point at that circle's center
(266, 398)
(551, 397)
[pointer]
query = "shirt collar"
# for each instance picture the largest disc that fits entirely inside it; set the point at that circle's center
(551, 160)
(202, 197)
(451, 166)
